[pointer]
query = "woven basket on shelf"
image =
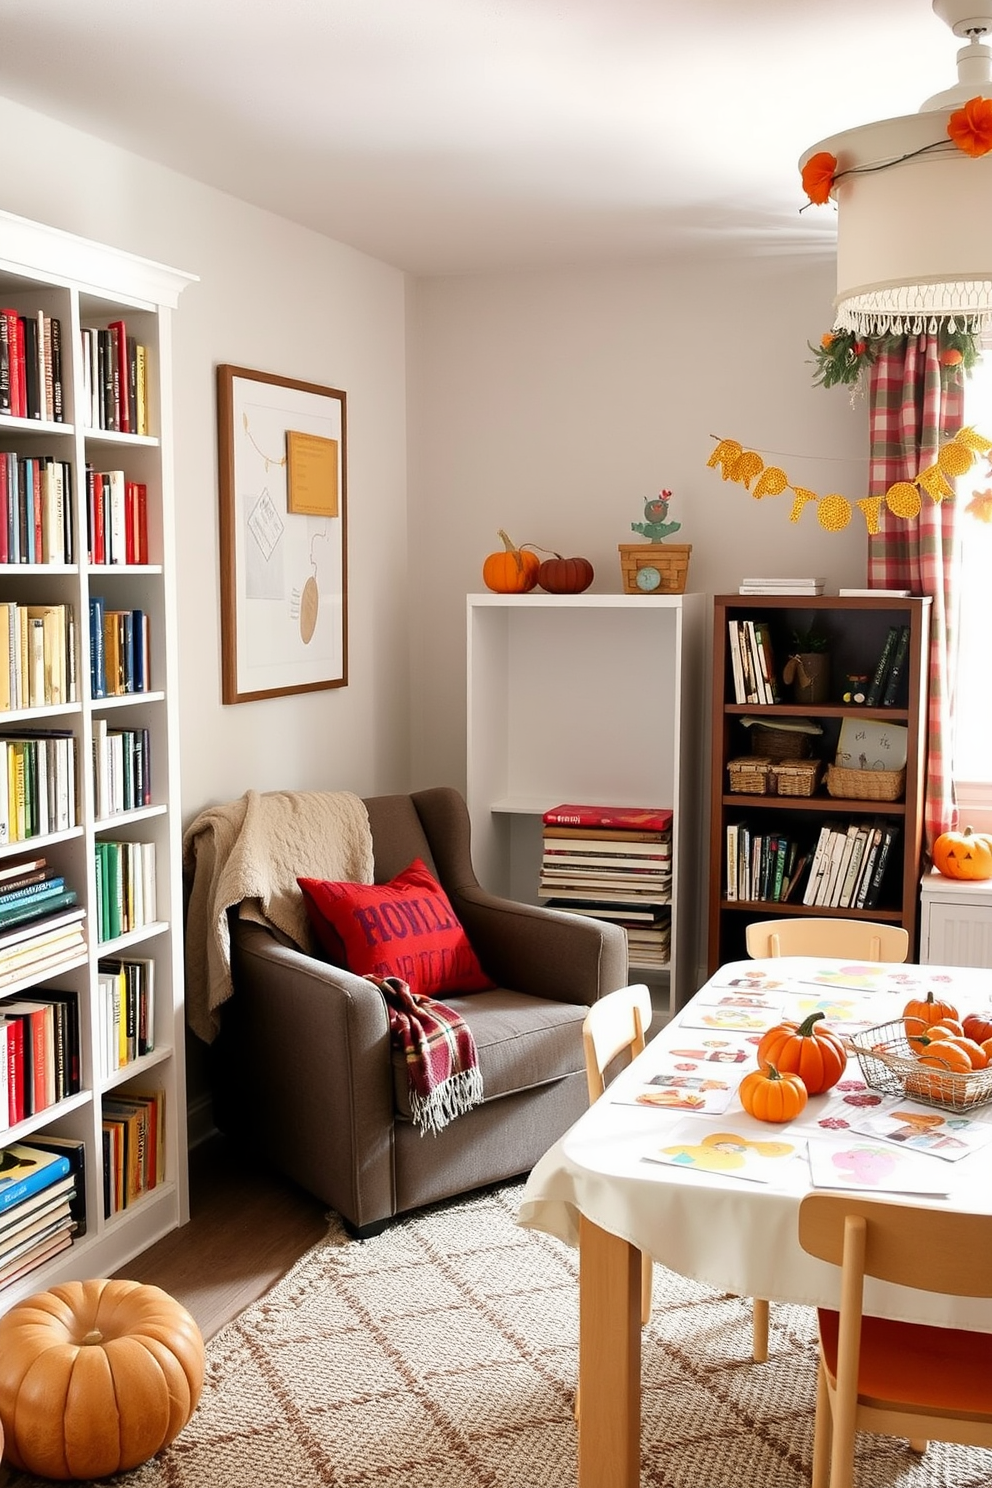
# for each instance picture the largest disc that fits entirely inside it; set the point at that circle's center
(750, 774)
(795, 777)
(778, 743)
(866, 785)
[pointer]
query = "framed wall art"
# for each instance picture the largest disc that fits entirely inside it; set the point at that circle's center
(283, 535)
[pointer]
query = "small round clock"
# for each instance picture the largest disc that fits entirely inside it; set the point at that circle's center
(647, 579)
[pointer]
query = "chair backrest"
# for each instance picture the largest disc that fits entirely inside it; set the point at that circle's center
(933, 1250)
(614, 1024)
(865, 939)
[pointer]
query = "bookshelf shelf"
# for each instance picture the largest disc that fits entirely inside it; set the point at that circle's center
(586, 698)
(81, 284)
(856, 628)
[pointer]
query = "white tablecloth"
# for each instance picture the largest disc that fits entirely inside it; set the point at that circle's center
(731, 1233)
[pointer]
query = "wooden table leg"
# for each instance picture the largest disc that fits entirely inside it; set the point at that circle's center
(609, 1360)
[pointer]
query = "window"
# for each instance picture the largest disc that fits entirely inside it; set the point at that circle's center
(972, 749)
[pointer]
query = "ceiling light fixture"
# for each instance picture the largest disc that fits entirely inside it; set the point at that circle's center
(914, 211)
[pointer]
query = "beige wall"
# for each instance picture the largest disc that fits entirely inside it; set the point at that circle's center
(554, 404)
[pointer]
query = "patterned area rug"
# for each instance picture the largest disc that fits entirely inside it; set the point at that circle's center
(442, 1354)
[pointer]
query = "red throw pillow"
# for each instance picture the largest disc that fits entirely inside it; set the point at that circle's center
(406, 928)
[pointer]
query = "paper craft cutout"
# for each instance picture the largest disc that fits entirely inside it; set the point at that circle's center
(920, 1129)
(875, 1167)
(730, 1154)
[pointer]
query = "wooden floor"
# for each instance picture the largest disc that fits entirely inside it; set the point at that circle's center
(247, 1228)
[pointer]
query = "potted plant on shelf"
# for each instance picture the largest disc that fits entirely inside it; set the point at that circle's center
(807, 669)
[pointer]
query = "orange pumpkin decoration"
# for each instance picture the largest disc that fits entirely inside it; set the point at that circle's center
(769, 1095)
(560, 575)
(964, 854)
(977, 1026)
(926, 1010)
(815, 1054)
(945, 1054)
(96, 1377)
(513, 571)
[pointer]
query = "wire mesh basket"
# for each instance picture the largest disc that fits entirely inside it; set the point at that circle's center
(888, 1064)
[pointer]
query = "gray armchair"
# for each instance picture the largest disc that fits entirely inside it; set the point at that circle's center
(305, 1072)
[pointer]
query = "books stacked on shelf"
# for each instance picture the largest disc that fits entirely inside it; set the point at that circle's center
(39, 1202)
(613, 863)
(39, 1052)
(127, 1010)
(37, 783)
(119, 650)
(888, 686)
(35, 509)
(849, 863)
(114, 393)
(753, 662)
(133, 1147)
(116, 518)
(762, 865)
(121, 768)
(125, 887)
(31, 366)
(37, 655)
(782, 586)
(38, 935)
(875, 593)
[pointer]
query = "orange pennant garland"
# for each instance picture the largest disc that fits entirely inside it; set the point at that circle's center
(871, 507)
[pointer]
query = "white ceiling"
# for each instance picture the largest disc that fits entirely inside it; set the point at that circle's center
(449, 136)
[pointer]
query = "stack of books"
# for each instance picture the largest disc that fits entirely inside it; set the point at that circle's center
(41, 929)
(39, 1204)
(613, 863)
(849, 863)
(782, 586)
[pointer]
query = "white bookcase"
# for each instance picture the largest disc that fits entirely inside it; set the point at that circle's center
(85, 284)
(955, 921)
(586, 698)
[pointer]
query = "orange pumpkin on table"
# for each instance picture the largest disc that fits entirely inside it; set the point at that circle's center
(512, 571)
(814, 1053)
(920, 1012)
(769, 1095)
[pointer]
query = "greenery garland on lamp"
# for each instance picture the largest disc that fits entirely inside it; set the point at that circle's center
(844, 356)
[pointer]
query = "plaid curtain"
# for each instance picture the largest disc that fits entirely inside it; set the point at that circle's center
(915, 405)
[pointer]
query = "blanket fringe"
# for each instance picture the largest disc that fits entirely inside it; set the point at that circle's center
(453, 1097)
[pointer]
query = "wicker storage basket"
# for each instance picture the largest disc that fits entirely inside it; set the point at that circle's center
(866, 785)
(750, 775)
(779, 744)
(795, 777)
(888, 1063)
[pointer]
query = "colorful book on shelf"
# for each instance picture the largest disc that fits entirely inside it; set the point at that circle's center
(25, 1170)
(650, 818)
(882, 668)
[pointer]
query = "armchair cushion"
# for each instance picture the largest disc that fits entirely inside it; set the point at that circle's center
(405, 928)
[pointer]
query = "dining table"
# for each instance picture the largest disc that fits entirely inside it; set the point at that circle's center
(668, 1163)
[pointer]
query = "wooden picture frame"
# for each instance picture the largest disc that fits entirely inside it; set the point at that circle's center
(283, 535)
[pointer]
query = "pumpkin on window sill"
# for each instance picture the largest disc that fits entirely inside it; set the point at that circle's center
(963, 855)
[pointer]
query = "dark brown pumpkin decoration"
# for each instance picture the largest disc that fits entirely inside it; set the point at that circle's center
(558, 575)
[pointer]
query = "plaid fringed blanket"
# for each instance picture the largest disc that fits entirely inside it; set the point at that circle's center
(441, 1059)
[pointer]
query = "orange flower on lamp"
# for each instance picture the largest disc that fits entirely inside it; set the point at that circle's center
(969, 128)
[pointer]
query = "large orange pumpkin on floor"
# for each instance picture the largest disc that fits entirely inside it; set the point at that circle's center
(96, 1377)
(964, 854)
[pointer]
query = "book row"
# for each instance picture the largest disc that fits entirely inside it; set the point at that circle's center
(844, 868)
(35, 509)
(125, 887)
(31, 366)
(37, 655)
(37, 784)
(120, 645)
(116, 518)
(42, 943)
(888, 678)
(127, 1011)
(133, 1147)
(115, 393)
(752, 662)
(42, 1202)
(39, 1052)
(121, 768)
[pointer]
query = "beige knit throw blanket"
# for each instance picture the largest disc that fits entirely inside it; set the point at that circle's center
(249, 853)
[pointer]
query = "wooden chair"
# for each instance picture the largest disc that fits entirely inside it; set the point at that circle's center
(616, 1025)
(897, 1379)
(866, 940)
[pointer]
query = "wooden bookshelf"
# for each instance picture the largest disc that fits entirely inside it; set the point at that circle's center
(856, 629)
